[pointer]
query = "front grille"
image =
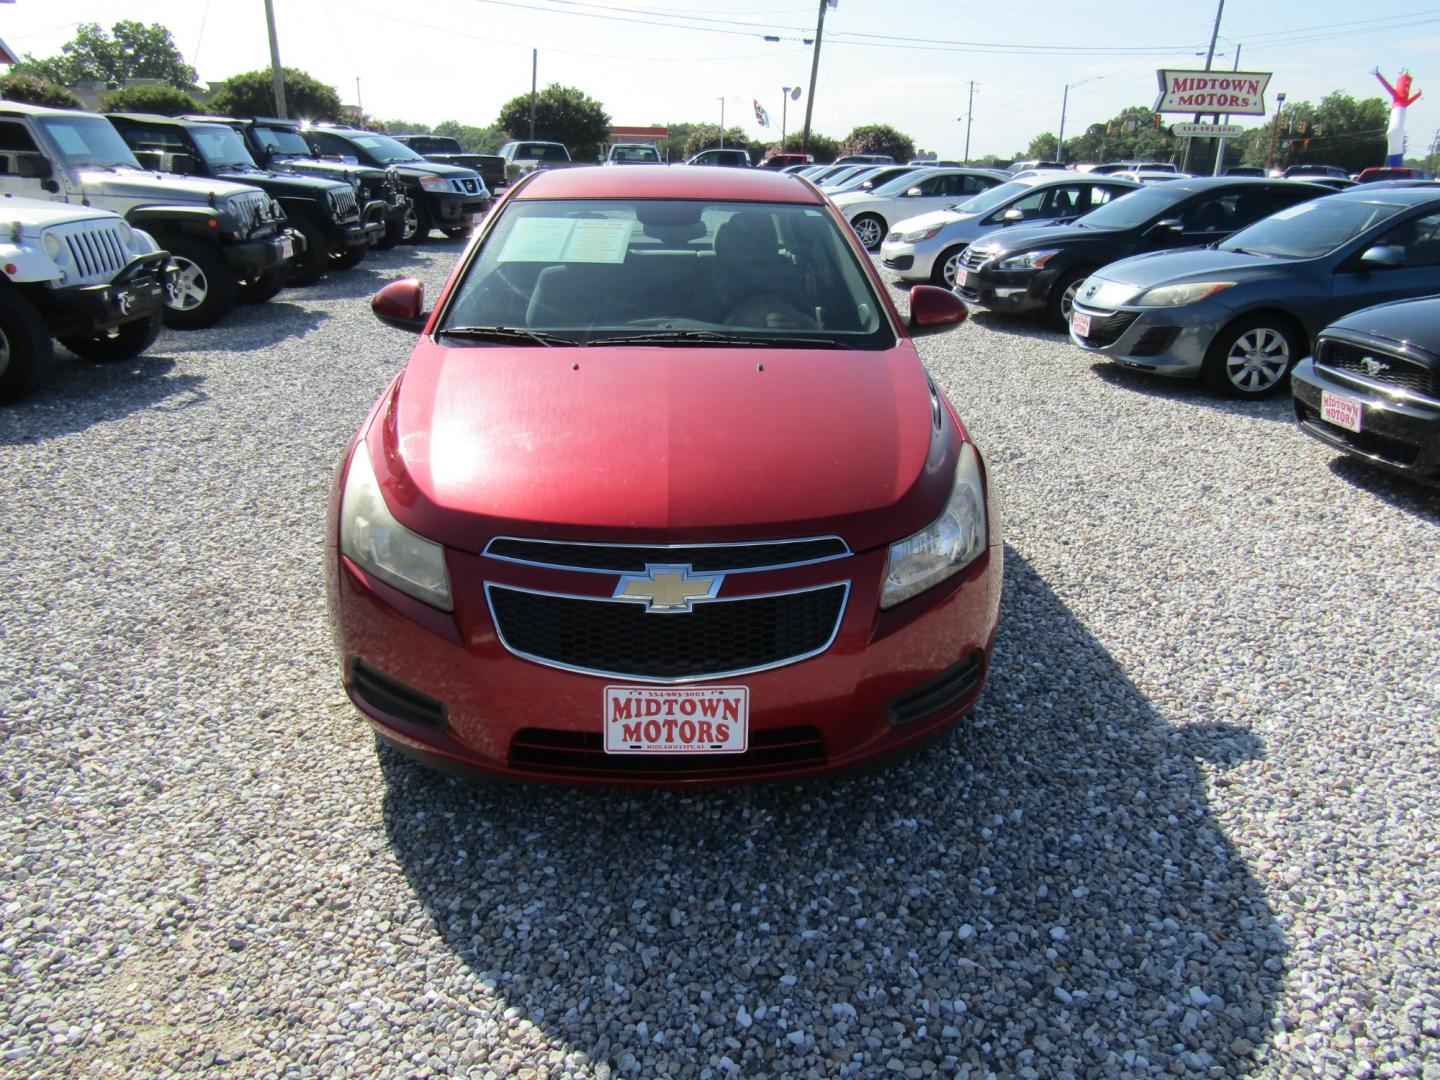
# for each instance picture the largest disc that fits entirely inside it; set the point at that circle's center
(252, 208)
(98, 251)
(1400, 372)
(609, 637)
(468, 184)
(345, 206)
(394, 697)
(944, 690)
(1106, 329)
(1369, 443)
(1155, 341)
(583, 754)
(900, 262)
(973, 259)
(707, 558)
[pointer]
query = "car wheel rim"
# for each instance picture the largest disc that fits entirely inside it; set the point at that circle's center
(185, 286)
(952, 267)
(412, 220)
(1067, 298)
(4, 352)
(868, 231)
(1257, 360)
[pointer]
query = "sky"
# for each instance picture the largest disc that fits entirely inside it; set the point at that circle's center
(908, 63)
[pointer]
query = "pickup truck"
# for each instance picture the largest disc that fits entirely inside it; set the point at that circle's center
(448, 151)
(622, 153)
(76, 274)
(525, 156)
(224, 238)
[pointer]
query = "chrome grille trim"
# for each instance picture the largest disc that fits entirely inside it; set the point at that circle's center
(559, 665)
(489, 552)
(345, 206)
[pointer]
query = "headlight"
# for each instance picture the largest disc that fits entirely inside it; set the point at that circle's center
(52, 245)
(1029, 260)
(435, 183)
(952, 542)
(1111, 294)
(1176, 295)
(920, 234)
(372, 538)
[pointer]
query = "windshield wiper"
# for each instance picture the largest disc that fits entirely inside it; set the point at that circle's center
(508, 333)
(714, 337)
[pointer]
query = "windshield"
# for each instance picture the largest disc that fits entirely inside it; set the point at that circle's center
(88, 140)
(539, 151)
(383, 148)
(594, 271)
(220, 146)
(286, 141)
(435, 144)
(634, 153)
(1310, 229)
(989, 199)
(898, 185)
(1134, 209)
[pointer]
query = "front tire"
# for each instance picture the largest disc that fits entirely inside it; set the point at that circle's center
(458, 232)
(1061, 301)
(417, 220)
(1252, 357)
(200, 287)
(309, 266)
(259, 289)
(395, 227)
(870, 230)
(25, 345)
(120, 343)
(344, 260)
(943, 272)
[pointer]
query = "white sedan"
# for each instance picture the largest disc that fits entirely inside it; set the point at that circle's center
(871, 213)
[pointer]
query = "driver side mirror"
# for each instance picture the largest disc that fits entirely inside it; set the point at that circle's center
(1011, 216)
(934, 310)
(1168, 226)
(914, 193)
(401, 304)
(1383, 257)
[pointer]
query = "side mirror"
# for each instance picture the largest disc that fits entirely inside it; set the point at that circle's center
(1383, 257)
(401, 304)
(1171, 226)
(914, 193)
(1012, 216)
(934, 310)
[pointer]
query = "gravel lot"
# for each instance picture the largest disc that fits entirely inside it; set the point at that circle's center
(1191, 830)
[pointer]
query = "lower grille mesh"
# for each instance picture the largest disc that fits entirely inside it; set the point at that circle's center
(582, 753)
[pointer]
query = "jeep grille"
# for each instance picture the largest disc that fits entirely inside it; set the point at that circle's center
(252, 207)
(97, 250)
(345, 208)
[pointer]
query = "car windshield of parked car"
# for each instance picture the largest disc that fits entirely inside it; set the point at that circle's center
(220, 146)
(656, 272)
(383, 148)
(282, 141)
(537, 151)
(989, 199)
(634, 153)
(1310, 229)
(898, 185)
(88, 140)
(1134, 210)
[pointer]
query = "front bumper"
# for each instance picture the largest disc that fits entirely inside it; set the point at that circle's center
(444, 687)
(136, 292)
(1400, 433)
(1008, 291)
(452, 210)
(253, 257)
(908, 262)
(1165, 341)
(360, 232)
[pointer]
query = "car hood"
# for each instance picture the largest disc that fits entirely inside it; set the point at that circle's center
(433, 168)
(1024, 237)
(1196, 264)
(277, 183)
(33, 214)
(933, 217)
(1410, 321)
(158, 186)
(689, 444)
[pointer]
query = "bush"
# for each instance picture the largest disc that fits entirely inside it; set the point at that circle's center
(165, 100)
(37, 91)
(562, 114)
(879, 139)
(252, 94)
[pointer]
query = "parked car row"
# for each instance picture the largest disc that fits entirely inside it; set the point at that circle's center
(1242, 282)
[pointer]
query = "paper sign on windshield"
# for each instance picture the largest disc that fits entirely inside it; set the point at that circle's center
(567, 240)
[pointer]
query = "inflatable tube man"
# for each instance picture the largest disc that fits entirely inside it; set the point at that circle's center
(1401, 99)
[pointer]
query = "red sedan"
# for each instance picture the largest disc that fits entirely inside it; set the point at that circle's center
(663, 496)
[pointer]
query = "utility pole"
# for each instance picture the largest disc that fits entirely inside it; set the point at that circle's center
(534, 71)
(276, 75)
(969, 115)
(722, 123)
(1060, 142)
(1220, 146)
(1274, 131)
(814, 70)
(1209, 56)
(359, 105)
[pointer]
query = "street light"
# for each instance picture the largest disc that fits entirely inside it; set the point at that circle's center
(1274, 131)
(791, 93)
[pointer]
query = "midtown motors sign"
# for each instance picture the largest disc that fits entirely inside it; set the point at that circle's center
(1239, 92)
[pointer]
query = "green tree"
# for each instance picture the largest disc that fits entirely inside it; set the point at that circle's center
(252, 94)
(404, 127)
(879, 139)
(472, 139)
(822, 148)
(154, 98)
(18, 86)
(562, 114)
(132, 50)
(705, 136)
(1339, 131)
(1043, 147)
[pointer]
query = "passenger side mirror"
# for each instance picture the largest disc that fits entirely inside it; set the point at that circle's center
(934, 310)
(1383, 257)
(914, 193)
(1011, 216)
(401, 304)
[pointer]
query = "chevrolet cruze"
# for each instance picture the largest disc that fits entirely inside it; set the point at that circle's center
(663, 496)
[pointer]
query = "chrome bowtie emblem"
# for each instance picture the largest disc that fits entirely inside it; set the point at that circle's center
(1373, 366)
(668, 589)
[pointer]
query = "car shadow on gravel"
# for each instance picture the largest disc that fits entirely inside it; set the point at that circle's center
(249, 328)
(1043, 890)
(1016, 326)
(1408, 495)
(1193, 392)
(72, 394)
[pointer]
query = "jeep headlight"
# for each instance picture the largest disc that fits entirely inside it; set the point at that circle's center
(947, 545)
(372, 539)
(434, 183)
(51, 243)
(1178, 295)
(1029, 260)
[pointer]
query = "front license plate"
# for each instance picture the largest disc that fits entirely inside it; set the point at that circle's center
(477, 217)
(962, 278)
(689, 720)
(1341, 411)
(287, 247)
(1080, 323)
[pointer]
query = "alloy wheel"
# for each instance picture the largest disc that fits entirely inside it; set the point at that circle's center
(869, 232)
(1258, 359)
(4, 352)
(952, 267)
(1067, 299)
(412, 220)
(186, 286)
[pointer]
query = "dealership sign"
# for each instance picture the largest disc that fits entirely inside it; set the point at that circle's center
(1241, 92)
(1206, 131)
